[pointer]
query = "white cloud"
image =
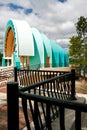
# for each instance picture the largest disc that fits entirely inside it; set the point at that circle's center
(67, 25)
(55, 19)
(63, 42)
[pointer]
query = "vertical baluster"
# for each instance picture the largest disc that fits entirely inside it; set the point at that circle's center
(36, 116)
(24, 106)
(30, 77)
(62, 118)
(77, 120)
(48, 117)
(15, 74)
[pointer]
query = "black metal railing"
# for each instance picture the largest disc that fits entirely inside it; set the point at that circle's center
(54, 82)
(27, 77)
(61, 87)
(40, 108)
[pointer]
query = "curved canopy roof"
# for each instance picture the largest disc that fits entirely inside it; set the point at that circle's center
(39, 44)
(47, 46)
(22, 37)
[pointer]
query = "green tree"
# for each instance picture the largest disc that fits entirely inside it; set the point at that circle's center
(78, 45)
(75, 52)
(81, 28)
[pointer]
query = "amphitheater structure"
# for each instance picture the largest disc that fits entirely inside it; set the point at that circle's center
(26, 46)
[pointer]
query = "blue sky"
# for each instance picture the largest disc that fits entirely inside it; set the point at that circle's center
(55, 18)
(62, 1)
(15, 7)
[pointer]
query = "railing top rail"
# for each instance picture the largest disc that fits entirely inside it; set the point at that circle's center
(63, 71)
(74, 105)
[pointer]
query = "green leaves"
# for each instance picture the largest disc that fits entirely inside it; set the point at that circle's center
(81, 26)
(78, 45)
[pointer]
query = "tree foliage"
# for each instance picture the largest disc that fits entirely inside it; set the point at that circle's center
(81, 27)
(78, 45)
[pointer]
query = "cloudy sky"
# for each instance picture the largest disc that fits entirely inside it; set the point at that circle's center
(55, 18)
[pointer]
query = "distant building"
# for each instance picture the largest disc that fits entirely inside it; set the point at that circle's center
(26, 46)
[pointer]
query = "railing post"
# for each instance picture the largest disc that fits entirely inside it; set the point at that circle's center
(15, 74)
(12, 106)
(73, 85)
